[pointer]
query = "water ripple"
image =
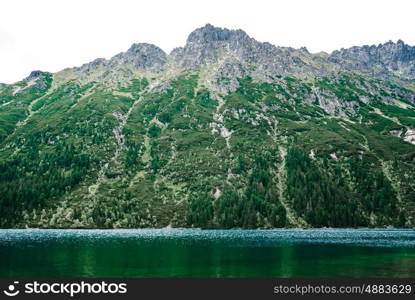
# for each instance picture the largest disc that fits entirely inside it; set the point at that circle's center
(261, 238)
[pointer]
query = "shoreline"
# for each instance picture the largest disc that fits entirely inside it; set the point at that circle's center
(211, 229)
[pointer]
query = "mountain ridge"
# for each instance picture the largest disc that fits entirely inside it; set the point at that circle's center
(213, 45)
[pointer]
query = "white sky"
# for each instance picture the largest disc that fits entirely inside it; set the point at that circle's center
(51, 35)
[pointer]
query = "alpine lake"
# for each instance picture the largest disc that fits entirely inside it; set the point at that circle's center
(208, 253)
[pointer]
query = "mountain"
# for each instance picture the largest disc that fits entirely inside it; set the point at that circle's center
(225, 132)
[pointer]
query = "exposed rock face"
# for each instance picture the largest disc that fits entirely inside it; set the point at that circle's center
(142, 57)
(212, 45)
(410, 136)
(37, 78)
(389, 59)
(36, 74)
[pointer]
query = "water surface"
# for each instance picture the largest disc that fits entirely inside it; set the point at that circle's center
(207, 253)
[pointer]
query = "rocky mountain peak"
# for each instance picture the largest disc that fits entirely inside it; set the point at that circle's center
(139, 57)
(36, 74)
(142, 56)
(210, 33)
(210, 45)
(399, 50)
(144, 48)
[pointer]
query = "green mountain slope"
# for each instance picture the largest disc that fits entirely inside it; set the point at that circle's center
(125, 146)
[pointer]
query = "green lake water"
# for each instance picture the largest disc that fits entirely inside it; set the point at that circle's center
(207, 253)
